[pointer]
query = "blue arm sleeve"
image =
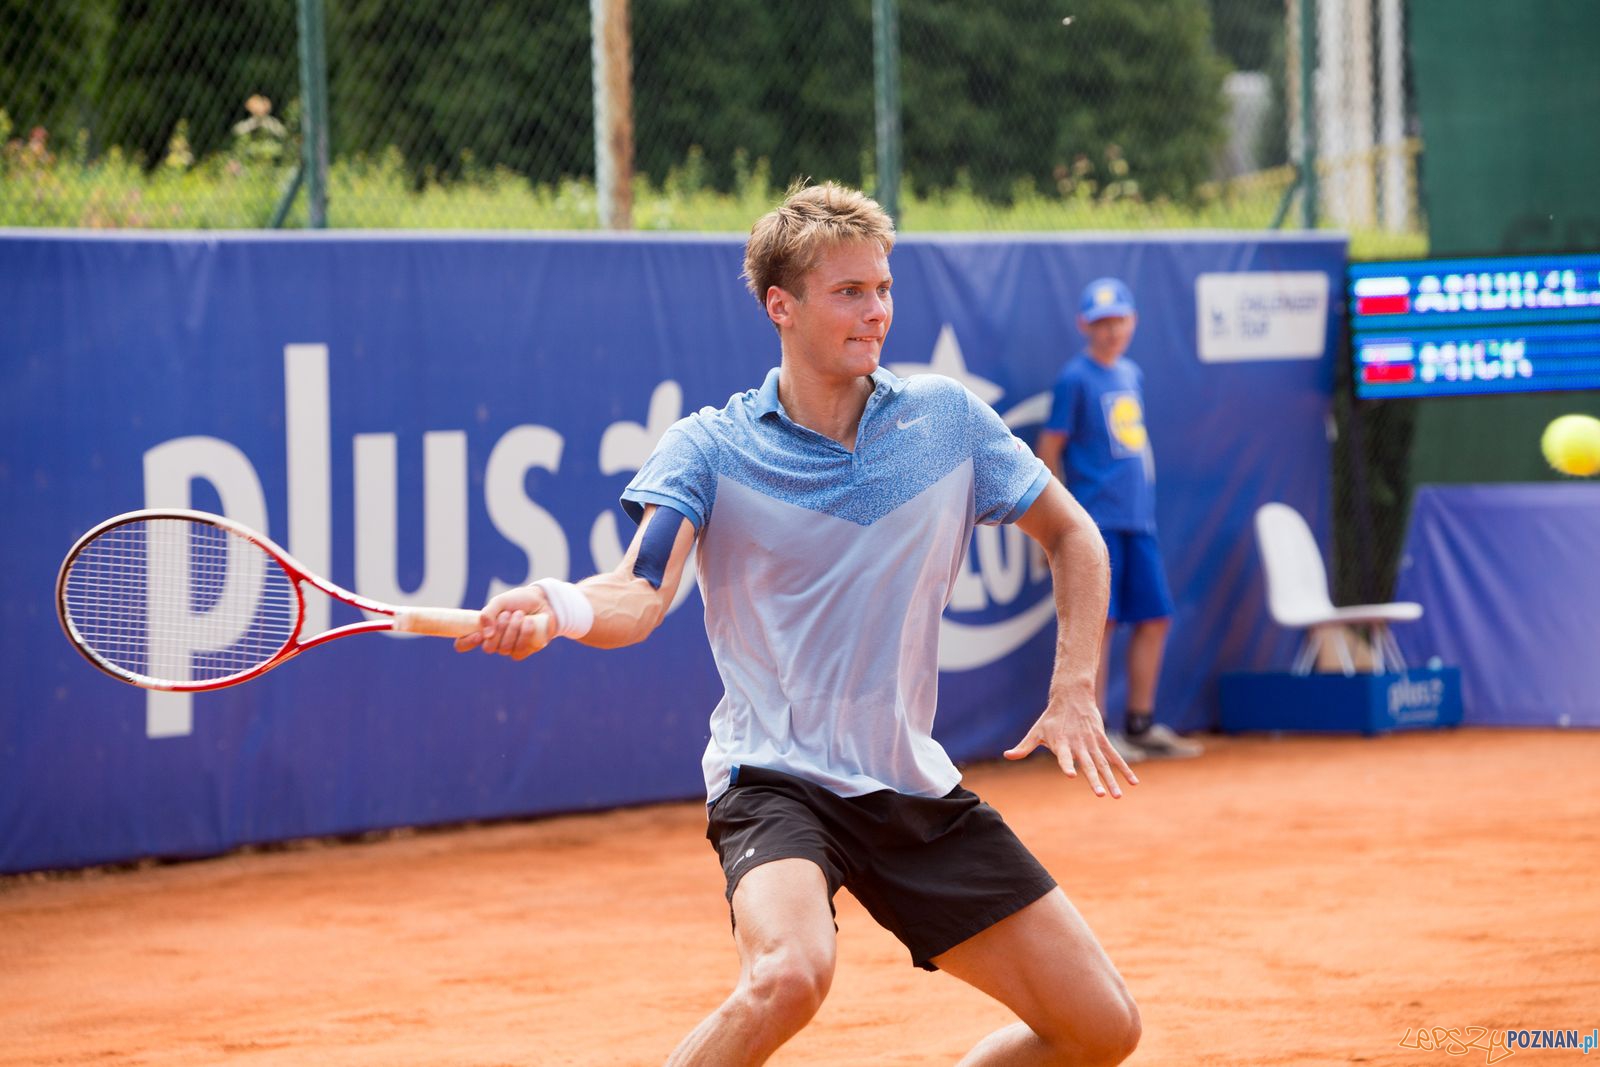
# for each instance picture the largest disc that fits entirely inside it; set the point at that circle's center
(655, 547)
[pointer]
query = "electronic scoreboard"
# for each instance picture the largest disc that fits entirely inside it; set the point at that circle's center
(1460, 327)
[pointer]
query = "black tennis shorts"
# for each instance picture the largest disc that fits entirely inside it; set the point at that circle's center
(933, 871)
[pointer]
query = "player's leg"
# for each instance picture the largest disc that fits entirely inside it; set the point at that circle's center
(1045, 964)
(783, 925)
(939, 872)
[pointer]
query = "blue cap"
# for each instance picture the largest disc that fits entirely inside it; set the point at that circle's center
(1105, 297)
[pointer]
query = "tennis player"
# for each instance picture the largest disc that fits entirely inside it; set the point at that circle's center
(833, 507)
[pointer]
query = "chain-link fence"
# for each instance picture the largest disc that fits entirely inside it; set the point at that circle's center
(1012, 114)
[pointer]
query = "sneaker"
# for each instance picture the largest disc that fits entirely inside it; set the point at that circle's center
(1159, 742)
(1130, 752)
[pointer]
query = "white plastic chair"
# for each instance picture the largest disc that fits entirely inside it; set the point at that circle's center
(1297, 596)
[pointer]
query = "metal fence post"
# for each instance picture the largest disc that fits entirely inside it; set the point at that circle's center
(314, 110)
(1308, 103)
(886, 85)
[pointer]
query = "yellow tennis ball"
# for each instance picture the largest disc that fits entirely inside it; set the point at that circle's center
(1572, 444)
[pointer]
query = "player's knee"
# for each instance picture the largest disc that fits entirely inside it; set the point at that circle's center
(790, 983)
(1128, 1028)
(1107, 1036)
(1112, 1036)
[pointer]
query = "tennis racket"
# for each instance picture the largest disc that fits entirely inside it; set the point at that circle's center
(188, 602)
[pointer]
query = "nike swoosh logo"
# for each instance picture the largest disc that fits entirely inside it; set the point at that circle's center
(906, 424)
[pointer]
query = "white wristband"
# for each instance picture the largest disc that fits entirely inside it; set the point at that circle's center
(569, 608)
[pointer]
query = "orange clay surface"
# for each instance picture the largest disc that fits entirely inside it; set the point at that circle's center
(1294, 901)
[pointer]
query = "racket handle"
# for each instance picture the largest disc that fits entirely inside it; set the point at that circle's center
(437, 622)
(453, 622)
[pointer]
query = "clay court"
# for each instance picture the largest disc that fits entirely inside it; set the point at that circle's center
(1279, 901)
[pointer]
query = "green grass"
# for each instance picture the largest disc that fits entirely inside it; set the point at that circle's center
(41, 186)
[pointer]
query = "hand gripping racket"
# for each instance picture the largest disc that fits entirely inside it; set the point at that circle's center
(187, 601)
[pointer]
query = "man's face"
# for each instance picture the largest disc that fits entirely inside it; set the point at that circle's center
(1108, 337)
(837, 330)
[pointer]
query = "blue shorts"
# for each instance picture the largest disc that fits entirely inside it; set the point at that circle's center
(1138, 580)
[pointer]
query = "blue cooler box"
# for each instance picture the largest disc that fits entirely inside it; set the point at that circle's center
(1339, 703)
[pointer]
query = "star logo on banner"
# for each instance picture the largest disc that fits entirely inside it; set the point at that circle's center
(948, 361)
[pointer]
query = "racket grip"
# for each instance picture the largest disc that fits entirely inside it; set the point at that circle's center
(437, 622)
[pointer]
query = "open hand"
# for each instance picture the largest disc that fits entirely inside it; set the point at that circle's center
(1077, 736)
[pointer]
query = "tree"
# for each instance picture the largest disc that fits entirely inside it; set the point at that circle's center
(51, 63)
(195, 63)
(1245, 29)
(788, 83)
(501, 83)
(1002, 92)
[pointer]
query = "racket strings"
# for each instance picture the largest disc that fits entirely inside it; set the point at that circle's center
(179, 601)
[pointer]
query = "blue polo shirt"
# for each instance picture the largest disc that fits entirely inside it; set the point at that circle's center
(1107, 465)
(825, 570)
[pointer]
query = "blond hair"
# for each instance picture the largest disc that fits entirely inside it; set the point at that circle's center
(787, 241)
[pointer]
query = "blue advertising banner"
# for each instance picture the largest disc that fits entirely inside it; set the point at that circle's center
(430, 419)
(1477, 556)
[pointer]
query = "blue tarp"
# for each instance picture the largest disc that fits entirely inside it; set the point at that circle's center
(421, 418)
(1507, 579)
